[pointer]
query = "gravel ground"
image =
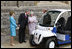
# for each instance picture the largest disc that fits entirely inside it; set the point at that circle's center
(27, 45)
(17, 45)
(5, 43)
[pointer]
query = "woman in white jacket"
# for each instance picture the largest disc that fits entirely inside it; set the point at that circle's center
(32, 20)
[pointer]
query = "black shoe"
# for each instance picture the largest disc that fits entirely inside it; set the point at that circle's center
(25, 41)
(20, 42)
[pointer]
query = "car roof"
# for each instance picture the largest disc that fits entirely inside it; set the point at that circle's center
(61, 9)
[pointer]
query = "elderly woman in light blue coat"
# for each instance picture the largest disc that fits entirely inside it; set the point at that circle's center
(12, 26)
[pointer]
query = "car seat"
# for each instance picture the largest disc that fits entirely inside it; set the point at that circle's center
(66, 28)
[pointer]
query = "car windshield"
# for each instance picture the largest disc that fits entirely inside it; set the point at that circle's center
(49, 18)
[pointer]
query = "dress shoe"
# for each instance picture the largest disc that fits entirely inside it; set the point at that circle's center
(25, 41)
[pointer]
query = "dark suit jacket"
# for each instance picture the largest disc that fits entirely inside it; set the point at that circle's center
(23, 21)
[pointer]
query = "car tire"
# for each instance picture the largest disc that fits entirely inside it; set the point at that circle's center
(51, 43)
(32, 43)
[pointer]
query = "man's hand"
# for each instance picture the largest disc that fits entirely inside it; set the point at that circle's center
(18, 25)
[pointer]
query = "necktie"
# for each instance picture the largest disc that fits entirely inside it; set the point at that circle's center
(26, 16)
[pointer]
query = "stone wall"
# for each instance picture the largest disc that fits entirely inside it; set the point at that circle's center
(37, 10)
(28, 3)
(8, 3)
(20, 3)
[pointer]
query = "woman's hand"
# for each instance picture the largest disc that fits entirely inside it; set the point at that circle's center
(31, 21)
(17, 28)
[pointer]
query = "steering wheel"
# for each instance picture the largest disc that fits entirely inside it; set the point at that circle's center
(58, 24)
(61, 22)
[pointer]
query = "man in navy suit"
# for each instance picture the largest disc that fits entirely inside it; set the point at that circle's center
(22, 23)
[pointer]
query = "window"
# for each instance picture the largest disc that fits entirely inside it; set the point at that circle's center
(65, 15)
(49, 18)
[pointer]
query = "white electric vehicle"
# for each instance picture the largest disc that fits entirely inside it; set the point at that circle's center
(54, 30)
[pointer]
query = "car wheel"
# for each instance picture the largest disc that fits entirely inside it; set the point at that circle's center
(51, 43)
(32, 43)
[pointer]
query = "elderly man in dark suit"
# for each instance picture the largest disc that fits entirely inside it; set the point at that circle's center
(22, 23)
